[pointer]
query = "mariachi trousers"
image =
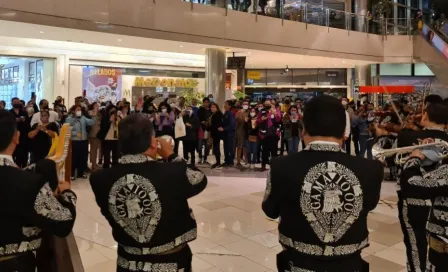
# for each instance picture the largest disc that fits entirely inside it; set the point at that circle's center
(413, 220)
(291, 261)
(178, 261)
(437, 262)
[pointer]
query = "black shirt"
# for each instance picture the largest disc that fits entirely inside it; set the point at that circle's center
(41, 143)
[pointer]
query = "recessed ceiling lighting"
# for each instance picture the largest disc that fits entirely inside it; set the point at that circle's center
(120, 40)
(41, 32)
(343, 61)
(249, 53)
(181, 46)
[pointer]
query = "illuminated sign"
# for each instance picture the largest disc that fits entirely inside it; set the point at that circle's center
(103, 72)
(165, 82)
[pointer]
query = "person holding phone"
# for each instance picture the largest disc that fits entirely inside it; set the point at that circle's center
(41, 137)
(268, 121)
(108, 135)
(80, 144)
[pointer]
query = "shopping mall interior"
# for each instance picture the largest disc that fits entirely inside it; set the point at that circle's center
(110, 50)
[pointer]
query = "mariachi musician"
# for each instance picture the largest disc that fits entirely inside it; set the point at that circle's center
(324, 206)
(145, 201)
(30, 204)
(414, 207)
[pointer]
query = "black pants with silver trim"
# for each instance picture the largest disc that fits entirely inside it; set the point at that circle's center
(25, 262)
(413, 224)
(175, 262)
(290, 261)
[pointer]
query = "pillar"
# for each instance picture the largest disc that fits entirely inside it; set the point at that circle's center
(362, 75)
(360, 8)
(215, 74)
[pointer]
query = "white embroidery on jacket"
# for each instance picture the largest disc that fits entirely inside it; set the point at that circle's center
(30, 231)
(146, 266)
(194, 176)
(331, 200)
(48, 206)
(135, 206)
(267, 193)
(412, 238)
(12, 249)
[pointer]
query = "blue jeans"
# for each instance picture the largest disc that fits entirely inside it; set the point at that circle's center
(252, 152)
(293, 144)
(365, 144)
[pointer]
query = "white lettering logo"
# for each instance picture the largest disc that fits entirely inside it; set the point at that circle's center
(134, 205)
(331, 200)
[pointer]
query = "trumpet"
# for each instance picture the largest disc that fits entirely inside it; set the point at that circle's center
(381, 154)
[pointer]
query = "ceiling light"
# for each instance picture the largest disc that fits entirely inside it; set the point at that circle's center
(181, 46)
(120, 40)
(41, 32)
(343, 61)
(249, 53)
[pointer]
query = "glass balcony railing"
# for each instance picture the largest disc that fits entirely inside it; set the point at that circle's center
(316, 15)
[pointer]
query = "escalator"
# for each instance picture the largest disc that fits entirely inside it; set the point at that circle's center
(431, 48)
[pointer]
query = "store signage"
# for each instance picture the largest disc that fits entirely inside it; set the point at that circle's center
(103, 72)
(332, 73)
(165, 82)
(256, 75)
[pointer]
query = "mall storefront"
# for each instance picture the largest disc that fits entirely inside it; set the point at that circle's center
(26, 77)
(295, 83)
(102, 83)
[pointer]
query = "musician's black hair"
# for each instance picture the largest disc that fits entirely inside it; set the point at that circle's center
(437, 113)
(433, 98)
(135, 133)
(324, 116)
(9, 126)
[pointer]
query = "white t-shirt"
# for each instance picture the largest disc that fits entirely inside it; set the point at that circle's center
(54, 116)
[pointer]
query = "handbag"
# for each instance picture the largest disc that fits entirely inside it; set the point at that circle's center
(200, 134)
(253, 138)
(179, 128)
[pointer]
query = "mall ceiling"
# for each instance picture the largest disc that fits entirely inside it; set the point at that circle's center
(29, 39)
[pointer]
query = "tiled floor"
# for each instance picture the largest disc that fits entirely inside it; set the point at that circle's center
(234, 235)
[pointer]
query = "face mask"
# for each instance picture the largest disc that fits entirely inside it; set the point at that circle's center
(30, 110)
(151, 119)
(83, 105)
(188, 112)
(253, 114)
(17, 106)
(78, 114)
(245, 107)
(173, 105)
(260, 108)
(211, 99)
(163, 110)
(344, 103)
(294, 113)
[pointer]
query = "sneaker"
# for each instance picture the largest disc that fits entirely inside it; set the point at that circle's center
(216, 166)
(252, 166)
(84, 176)
(73, 178)
(263, 168)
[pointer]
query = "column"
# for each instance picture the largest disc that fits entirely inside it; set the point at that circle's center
(350, 86)
(215, 74)
(361, 8)
(362, 75)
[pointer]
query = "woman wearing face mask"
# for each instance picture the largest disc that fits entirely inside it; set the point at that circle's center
(241, 119)
(190, 141)
(108, 135)
(80, 144)
(252, 138)
(292, 121)
(41, 136)
(95, 143)
(361, 121)
(268, 121)
(216, 128)
(164, 120)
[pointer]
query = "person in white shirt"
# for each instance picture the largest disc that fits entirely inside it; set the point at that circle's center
(43, 105)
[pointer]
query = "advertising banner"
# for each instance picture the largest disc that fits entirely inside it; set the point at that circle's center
(102, 84)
